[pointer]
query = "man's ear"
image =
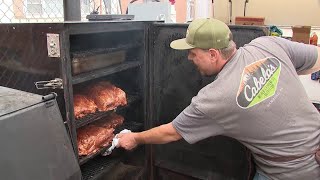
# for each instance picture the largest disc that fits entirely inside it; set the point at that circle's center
(213, 54)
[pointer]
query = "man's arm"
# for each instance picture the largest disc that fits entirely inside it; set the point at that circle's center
(315, 68)
(159, 135)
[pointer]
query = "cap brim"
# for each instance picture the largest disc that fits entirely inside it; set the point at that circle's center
(180, 44)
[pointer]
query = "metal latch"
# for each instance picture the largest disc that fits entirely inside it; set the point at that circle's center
(52, 84)
(53, 45)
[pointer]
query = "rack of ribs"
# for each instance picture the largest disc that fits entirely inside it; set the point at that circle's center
(93, 137)
(107, 96)
(83, 106)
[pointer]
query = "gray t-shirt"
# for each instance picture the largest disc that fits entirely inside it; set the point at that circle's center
(259, 100)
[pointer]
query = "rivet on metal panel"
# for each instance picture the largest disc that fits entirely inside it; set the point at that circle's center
(53, 45)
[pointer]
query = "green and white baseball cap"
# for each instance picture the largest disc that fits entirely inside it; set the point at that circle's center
(204, 34)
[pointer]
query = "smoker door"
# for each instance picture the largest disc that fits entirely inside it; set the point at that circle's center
(34, 141)
(24, 57)
(174, 81)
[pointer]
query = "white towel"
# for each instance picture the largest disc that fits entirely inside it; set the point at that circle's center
(115, 142)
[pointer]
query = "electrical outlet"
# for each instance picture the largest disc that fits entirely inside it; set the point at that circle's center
(53, 45)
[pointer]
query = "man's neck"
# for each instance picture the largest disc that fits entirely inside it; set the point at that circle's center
(227, 60)
(232, 55)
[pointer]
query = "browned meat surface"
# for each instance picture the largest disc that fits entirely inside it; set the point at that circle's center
(107, 96)
(111, 121)
(93, 137)
(83, 106)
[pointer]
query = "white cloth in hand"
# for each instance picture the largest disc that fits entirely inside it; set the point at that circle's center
(115, 142)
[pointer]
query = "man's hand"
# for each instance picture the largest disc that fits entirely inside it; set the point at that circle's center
(127, 141)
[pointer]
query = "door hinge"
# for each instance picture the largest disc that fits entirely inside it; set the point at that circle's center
(51, 84)
(53, 45)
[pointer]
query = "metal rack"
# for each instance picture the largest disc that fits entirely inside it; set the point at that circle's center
(98, 165)
(81, 54)
(105, 71)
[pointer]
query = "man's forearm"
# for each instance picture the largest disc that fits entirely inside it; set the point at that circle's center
(158, 135)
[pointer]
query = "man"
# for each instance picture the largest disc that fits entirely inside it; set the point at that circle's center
(256, 98)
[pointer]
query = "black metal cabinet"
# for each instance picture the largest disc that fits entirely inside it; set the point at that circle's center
(147, 69)
(174, 82)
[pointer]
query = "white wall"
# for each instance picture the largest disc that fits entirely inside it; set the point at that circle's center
(276, 12)
(221, 10)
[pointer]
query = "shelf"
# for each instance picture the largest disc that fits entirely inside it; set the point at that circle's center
(98, 115)
(92, 118)
(105, 71)
(97, 166)
(94, 52)
(133, 126)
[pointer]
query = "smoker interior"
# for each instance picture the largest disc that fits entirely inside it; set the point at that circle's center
(126, 74)
(133, 112)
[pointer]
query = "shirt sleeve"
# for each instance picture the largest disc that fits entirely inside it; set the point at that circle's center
(194, 126)
(302, 56)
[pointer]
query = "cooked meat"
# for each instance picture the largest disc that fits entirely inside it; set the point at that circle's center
(107, 96)
(97, 135)
(91, 138)
(83, 106)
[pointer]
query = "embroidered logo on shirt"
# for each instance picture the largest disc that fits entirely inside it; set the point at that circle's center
(259, 82)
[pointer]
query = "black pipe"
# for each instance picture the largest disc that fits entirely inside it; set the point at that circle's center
(230, 1)
(71, 9)
(245, 7)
